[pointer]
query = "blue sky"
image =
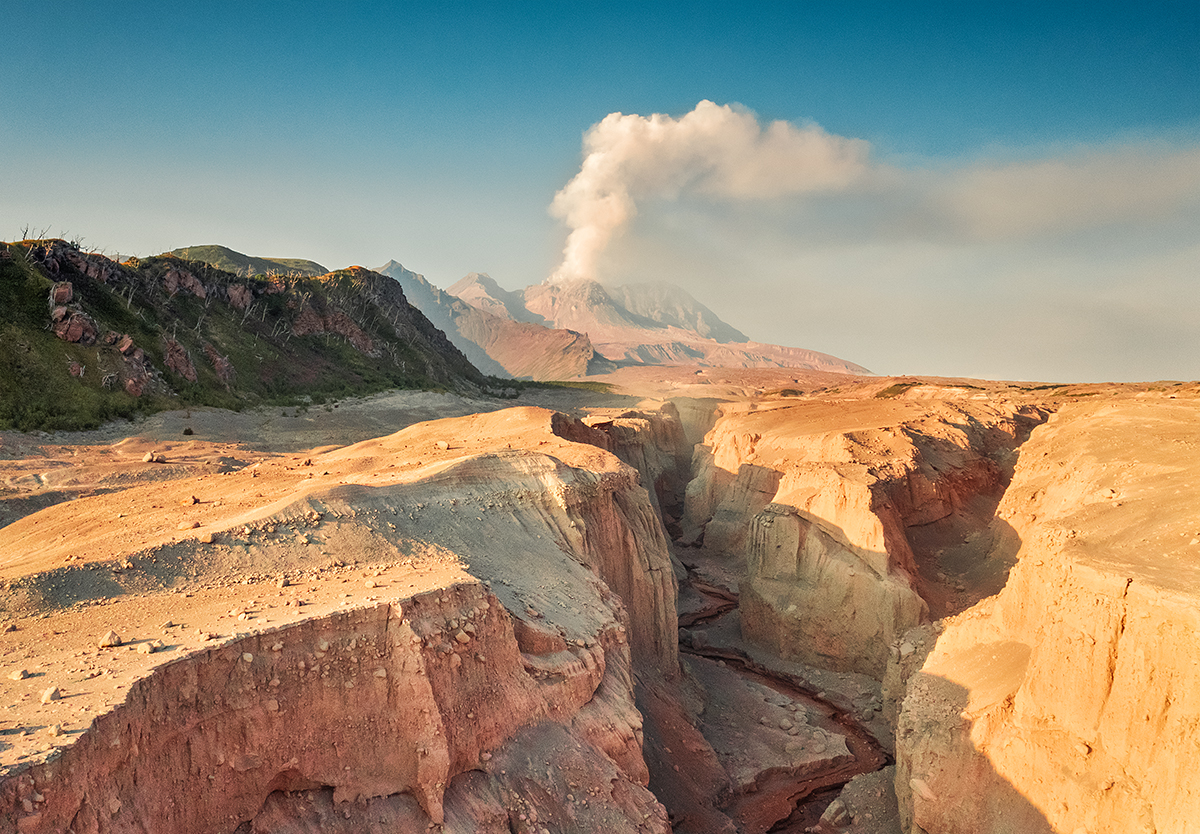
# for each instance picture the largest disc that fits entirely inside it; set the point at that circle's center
(1030, 207)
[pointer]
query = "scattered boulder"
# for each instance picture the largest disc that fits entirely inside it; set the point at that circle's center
(51, 694)
(110, 640)
(836, 816)
(74, 326)
(61, 293)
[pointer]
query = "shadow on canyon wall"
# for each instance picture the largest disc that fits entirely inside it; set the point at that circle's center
(947, 785)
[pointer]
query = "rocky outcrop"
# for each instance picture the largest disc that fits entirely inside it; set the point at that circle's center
(221, 365)
(372, 703)
(262, 328)
(311, 322)
(61, 293)
(240, 297)
(57, 255)
(848, 522)
(176, 358)
(73, 325)
(501, 700)
(1070, 702)
(176, 279)
(652, 441)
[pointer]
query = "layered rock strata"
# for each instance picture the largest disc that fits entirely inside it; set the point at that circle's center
(849, 520)
(1071, 701)
(499, 699)
(651, 439)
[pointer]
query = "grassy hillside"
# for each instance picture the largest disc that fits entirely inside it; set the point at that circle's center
(228, 260)
(165, 332)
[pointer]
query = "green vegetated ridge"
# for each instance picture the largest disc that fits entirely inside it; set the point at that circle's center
(222, 257)
(84, 339)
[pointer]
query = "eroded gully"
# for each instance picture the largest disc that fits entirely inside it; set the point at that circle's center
(810, 795)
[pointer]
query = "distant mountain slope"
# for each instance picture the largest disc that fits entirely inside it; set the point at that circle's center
(670, 305)
(499, 344)
(222, 257)
(84, 339)
(647, 324)
(481, 291)
(443, 311)
(587, 307)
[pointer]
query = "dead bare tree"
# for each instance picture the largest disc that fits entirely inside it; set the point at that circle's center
(249, 311)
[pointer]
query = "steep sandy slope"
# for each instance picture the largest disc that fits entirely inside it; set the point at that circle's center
(1071, 701)
(475, 668)
(849, 520)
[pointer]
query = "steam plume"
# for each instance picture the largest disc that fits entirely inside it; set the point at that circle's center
(716, 151)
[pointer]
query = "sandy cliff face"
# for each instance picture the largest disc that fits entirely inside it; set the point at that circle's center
(849, 520)
(1071, 701)
(652, 441)
(500, 697)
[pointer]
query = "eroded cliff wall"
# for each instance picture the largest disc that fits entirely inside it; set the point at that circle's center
(1071, 701)
(501, 699)
(838, 515)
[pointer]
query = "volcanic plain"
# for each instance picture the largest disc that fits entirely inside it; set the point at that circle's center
(740, 600)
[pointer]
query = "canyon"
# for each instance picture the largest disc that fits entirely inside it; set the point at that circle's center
(709, 600)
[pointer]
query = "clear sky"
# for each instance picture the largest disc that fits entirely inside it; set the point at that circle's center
(1018, 196)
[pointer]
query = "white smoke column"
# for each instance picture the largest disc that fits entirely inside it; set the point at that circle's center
(717, 151)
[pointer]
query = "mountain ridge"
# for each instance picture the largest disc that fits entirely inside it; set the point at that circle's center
(669, 304)
(666, 325)
(84, 339)
(224, 258)
(500, 344)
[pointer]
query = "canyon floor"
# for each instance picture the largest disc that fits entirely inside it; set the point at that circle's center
(701, 600)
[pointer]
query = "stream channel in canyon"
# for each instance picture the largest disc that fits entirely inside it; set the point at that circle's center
(517, 590)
